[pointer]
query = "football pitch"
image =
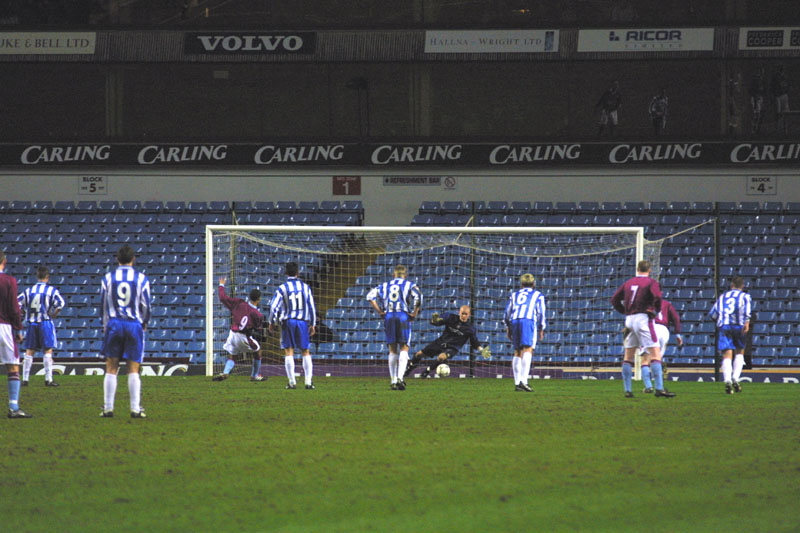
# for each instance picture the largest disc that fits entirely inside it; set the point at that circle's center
(444, 455)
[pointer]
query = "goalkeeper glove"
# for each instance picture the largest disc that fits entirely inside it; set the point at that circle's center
(485, 352)
(435, 318)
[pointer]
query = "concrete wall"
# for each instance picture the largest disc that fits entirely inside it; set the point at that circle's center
(396, 205)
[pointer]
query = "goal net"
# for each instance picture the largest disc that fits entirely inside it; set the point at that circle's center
(576, 268)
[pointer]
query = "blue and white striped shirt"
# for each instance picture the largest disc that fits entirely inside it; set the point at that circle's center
(293, 299)
(39, 301)
(527, 303)
(397, 295)
(125, 294)
(732, 308)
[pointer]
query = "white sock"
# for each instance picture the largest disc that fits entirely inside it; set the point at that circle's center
(308, 369)
(526, 366)
(393, 367)
(402, 364)
(738, 365)
(288, 362)
(726, 370)
(135, 390)
(48, 367)
(109, 391)
(516, 362)
(27, 363)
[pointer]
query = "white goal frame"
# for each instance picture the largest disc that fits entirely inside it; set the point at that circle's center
(637, 231)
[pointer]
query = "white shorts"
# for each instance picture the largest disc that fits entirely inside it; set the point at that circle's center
(643, 331)
(9, 354)
(662, 332)
(239, 343)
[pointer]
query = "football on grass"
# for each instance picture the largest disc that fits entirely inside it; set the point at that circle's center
(443, 371)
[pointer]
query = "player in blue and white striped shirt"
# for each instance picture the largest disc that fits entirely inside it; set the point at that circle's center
(732, 313)
(41, 303)
(125, 296)
(525, 314)
(398, 301)
(293, 308)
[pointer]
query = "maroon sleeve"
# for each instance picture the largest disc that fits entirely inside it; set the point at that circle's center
(226, 300)
(655, 290)
(616, 300)
(674, 318)
(11, 314)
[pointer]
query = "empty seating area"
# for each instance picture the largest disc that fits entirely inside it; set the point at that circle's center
(79, 240)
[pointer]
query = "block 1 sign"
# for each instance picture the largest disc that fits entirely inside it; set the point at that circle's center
(346, 185)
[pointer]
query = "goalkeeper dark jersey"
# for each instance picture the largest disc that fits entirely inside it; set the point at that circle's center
(456, 333)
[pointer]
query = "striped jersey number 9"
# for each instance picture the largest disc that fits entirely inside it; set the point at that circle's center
(124, 294)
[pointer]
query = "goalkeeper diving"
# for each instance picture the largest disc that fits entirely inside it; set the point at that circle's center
(458, 329)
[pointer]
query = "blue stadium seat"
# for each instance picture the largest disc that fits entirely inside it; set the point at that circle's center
(543, 207)
(657, 207)
(42, 206)
(307, 207)
(497, 207)
(329, 206)
(63, 206)
(520, 208)
(20, 206)
(264, 207)
(86, 206)
(285, 206)
(634, 207)
(451, 208)
(152, 206)
(564, 208)
(772, 207)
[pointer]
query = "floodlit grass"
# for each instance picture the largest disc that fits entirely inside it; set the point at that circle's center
(445, 455)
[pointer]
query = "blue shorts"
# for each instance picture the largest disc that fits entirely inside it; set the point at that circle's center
(40, 336)
(124, 339)
(523, 333)
(294, 334)
(731, 338)
(398, 328)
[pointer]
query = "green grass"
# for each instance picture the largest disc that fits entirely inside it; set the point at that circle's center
(445, 455)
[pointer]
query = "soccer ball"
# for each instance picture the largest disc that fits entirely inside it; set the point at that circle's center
(443, 371)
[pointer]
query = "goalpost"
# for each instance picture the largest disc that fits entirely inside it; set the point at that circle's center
(576, 268)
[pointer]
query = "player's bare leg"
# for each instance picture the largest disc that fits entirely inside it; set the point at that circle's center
(12, 373)
(229, 364)
(288, 364)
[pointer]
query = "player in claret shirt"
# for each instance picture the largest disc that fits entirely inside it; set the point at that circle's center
(637, 299)
(246, 323)
(10, 334)
(667, 317)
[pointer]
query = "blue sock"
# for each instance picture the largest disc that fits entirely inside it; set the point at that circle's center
(228, 366)
(256, 367)
(13, 391)
(646, 377)
(658, 375)
(627, 375)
